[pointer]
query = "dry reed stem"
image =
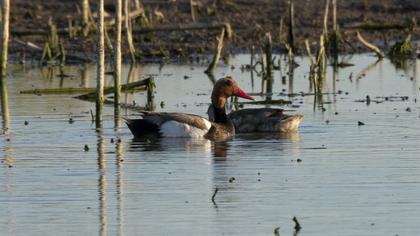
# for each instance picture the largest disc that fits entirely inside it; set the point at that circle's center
(218, 52)
(100, 65)
(117, 60)
(370, 46)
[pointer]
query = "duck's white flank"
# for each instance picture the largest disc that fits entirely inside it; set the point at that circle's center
(177, 129)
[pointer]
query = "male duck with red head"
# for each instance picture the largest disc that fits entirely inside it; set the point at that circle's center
(175, 124)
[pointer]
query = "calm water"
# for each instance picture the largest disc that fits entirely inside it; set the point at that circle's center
(353, 180)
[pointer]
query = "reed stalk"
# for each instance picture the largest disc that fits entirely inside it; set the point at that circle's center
(128, 31)
(4, 103)
(321, 64)
(62, 53)
(193, 5)
(117, 58)
(292, 25)
(281, 29)
(335, 26)
(85, 17)
(269, 63)
(326, 12)
(108, 39)
(100, 65)
(4, 37)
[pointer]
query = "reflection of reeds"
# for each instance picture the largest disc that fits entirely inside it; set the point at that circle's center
(6, 121)
(120, 185)
(102, 185)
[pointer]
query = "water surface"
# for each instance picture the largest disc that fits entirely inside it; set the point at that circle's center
(352, 180)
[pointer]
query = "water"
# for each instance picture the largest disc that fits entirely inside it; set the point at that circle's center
(353, 180)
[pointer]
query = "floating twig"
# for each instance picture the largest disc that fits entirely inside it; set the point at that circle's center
(298, 227)
(214, 196)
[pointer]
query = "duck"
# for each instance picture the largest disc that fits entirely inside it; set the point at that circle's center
(264, 120)
(174, 124)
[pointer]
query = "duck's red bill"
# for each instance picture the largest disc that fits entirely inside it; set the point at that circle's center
(240, 93)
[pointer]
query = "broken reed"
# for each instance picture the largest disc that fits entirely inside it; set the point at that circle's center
(317, 67)
(218, 52)
(53, 49)
(372, 47)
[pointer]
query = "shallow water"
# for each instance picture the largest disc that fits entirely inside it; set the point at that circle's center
(352, 180)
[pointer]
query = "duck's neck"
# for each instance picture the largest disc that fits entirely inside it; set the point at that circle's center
(220, 115)
(219, 109)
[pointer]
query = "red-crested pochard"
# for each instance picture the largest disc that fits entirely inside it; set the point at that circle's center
(187, 125)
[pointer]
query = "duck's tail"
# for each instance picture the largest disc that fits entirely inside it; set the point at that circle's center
(141, 127)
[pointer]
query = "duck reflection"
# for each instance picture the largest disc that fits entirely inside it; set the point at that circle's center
(220, 149)
(170, 144)
(290, 136)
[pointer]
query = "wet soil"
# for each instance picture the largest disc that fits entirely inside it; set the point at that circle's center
(250, 20)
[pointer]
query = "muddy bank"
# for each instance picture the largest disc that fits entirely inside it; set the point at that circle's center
(380, 22)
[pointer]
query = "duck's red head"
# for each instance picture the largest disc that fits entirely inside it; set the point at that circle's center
(224, 88)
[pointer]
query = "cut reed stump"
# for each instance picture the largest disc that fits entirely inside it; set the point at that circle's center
(370, 46)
